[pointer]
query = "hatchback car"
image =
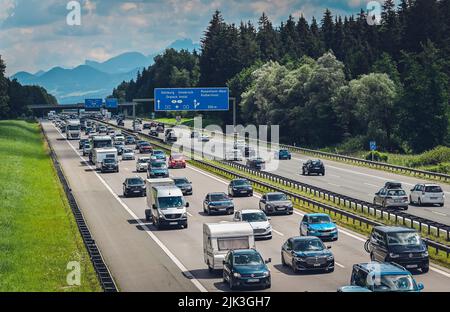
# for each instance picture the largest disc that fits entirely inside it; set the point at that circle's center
(258, 221)
(313, 166)
(403, 246)
(256, 163)
(177, 161)
(240, 187)
(138, 143)
(129, 140)
(119, 147)
(283, 154)
(82, 142)
(427, 194)
(86, 149)
(319, 225)
(218, 202)
(157, 170)
(246, 268)
(145, 148)
(142, 164)
(184, 184)
(391, 198)
(276, 203)
(307, 253)
(128, 154)
(159, 155)
(381, 277)
(134, 187)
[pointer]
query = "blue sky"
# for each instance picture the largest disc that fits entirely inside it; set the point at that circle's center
(34, 34)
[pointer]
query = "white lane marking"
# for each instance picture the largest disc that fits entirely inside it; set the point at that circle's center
(333, 175)
(143, 225)
(339, 265)
(439, 213)
(279, 233)
(337, 185)
(189, 214)
(369, 184)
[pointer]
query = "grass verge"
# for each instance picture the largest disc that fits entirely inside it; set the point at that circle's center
(38, 233)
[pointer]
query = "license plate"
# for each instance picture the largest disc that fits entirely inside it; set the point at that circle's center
(411, 266)
(137, 191)
(222, 209)
(282, 208)
(173, 223)
(433, 197)
(253, 280)
(316, 264)
(397, 201)
(243, 192)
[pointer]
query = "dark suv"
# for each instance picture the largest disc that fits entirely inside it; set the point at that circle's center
(240, 187)
(256, 163)
(313, 166)
(134, 186)
(398, 245)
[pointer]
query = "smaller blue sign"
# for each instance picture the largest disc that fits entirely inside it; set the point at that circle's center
(373, 145)
(93, 103)
(111, 103)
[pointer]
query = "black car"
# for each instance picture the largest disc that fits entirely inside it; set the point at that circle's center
(313, 166)
(146, 126)
(120, 123)
(307, 253)
(249, 151)
(398, 245)
(184, 185)
(218, 202)
(82, 143)
(240, 187)
(256, 163)
(110, 165)
(138, 144)
(134, 187)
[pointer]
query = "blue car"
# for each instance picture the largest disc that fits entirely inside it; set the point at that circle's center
(246, 268)
(283, 154)
(157, 170)
(319, 225)
(159, 155)
(381, 277)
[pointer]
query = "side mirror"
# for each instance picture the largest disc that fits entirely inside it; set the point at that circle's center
(154, 206)
(377, 193)
(269, 218)
(224, 262)
(268, 260)
(328, 247)
(420, 286)
(187, 205)
(412, 190)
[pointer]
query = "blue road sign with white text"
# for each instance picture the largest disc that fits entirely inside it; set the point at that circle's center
(93, 103)
(192, 99)
(111, 103)
(373, 145)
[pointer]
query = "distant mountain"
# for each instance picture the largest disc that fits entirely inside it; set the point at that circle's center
(94, 79)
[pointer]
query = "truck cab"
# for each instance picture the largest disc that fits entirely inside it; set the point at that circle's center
(73, 130)
(166, 205)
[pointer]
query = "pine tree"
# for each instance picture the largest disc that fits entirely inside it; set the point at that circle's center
(327, 30)
(4, 99)
(268, 39)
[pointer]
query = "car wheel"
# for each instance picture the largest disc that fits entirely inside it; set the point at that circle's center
(372, 257)
(441, 205)
(425, 269)
(283, 263)
(303, 172)
(330, 270)
(410, 200)
(294, 267)
(230, 283)
(230, 211)
(419, 202)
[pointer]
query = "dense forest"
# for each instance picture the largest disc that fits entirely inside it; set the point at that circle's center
(14, 98)
(335, 81)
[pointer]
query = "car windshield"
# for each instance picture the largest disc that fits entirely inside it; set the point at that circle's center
(135, 181)
(159, 165)
(145, 144)
(218, 197)
(308, 245)
(177, 157)
(158, 153)
(126, 151)
(316, 163)
(143, 160)
(247, 259)
(170, 202)
(284, 152)
(433, 189)
(403, 238)
(319, 219)
(254, 217)
(396, 193)
(180, 181)
(240, 182)
(394, 283)
(109, 160)
(276, 197)
(87, 145)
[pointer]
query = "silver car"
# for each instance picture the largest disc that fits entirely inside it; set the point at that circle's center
(276, 203)
(391, 198)
(86, 149)
(128, 154)
(142, 164)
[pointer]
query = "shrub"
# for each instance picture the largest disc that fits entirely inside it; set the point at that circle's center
(432, 157)
(377, 156)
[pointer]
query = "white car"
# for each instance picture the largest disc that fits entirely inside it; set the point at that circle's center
(203, 138)
(128, 154)
(258, 221)
(425, 193)
(234, 155)
(142, 164)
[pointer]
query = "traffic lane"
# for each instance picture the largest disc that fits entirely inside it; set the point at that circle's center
(130, 255)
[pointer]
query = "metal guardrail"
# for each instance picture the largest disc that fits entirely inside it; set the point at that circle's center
(336, 198)
(103, 273)
(359, 161)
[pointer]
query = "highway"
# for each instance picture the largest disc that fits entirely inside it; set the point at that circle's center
(353, 181)
(142, 258)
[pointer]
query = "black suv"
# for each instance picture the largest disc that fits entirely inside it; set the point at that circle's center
(398, 245)
(313, 166)
(256, 163)
(134, 186)
(82, 143)
(110, 165)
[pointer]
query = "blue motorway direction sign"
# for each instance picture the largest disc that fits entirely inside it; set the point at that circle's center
(192, 99)
(373, 145)
(111, 103)
(93, 103)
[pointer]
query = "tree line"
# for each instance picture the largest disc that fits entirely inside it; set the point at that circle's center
(15, 98)
(334, 81)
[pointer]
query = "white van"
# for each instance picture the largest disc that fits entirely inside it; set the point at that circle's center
(166, 205)
(99, 154)
(219, 238)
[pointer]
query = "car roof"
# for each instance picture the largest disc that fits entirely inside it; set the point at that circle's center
(217, 193)
(304, 238)
(244, 251)
(244, 211)
(392, 229)
(317, 214)
(133, 178)
(274, 193)
(241, 179)
(383, 268)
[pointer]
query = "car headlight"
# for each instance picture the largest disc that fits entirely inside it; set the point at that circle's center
(161, 215)
(329, 258)
(290, 205)
(184, 215)
(266, 274)
(236, 274)
(393, 255)
(424, 254)
(299, 259)
(268, 228)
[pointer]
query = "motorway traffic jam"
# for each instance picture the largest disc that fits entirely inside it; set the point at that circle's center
(244, 239)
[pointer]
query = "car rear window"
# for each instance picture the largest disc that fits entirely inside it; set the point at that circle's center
(433, 189)
(396, 193)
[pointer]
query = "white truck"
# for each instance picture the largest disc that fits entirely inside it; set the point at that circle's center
(73, 129)
(219, 238)
(168, 136)
(51, 115)
(99, 141)
(99, 154)
(137, 127)
(166, 205)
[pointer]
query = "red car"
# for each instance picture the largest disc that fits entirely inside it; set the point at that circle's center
(145, 148)
(177, 161)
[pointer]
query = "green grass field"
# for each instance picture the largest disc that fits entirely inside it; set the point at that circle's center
(38, 233)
